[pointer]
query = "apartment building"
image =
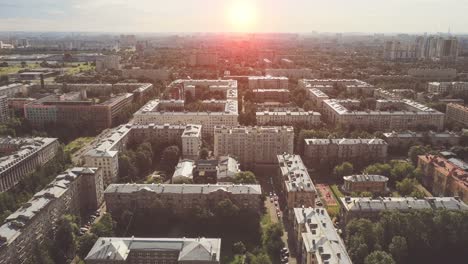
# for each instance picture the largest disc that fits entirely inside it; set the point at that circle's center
(364, 207)
(253, 145)
(76, 191)
(268, 82)
(271, 95)
(180, 87)
(365, 183)
(444, 177)
(4, 112)
(295, 181)
(435, 74)
(447, 87)
(25, 155)
(317, 97)
(217, 170)
(132, 250)
(351, 86)
(67, 107)
(290, 73)
(12, 90)
(410, 138)
(334, 151)
(110, 62)
(283, 118)
(160, 112)
(200, 58)
(181, 198)
(316, 238)
(402, 115)
(105, 153)
(457, 113)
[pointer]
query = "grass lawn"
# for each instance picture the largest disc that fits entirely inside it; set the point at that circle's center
(16, 68)
(77, 144)
(80, 68)
(336, 191)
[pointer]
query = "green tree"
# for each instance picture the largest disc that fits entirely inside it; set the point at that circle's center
(416, 151)
(344, 169)
(85, 243)
(238, 248)
(245, 177)
(170, 158)
(260, 258)
(204, 153)
(65, 238)
(406, 186)
(226, 209)
(398, 248)
(105, 226)
(401, 170)
(379, 257)
(271, 238)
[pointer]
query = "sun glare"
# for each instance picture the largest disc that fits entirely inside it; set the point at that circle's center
(242, 15)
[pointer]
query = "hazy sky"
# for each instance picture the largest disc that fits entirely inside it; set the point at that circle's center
(223, 15)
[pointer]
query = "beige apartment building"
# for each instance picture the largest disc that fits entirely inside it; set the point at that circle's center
(180, 198)
(23, 156)
(318, 151)
(351, 86)
(457, 113)
(298, 188)
(76, 191)
(253, 145)
(283, 118)
(132, 250)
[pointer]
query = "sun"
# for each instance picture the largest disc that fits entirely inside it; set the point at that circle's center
(242, 15)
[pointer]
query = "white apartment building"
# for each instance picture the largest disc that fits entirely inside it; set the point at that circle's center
(268, 82)
(351, 86)
(317, 96)
(24, 155)
(282, 118)
(104, 154)
(12, 89)
(153, 113)
(457, 113)
(317, 240)
(110, 62)
(449, 87)
(253, 145)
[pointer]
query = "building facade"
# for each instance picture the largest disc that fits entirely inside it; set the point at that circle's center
(334, 151)
(443, 177)
(181, 198)
(4, 112)
(298, 188)
(365, 183)
(283, 118)
(268, 82)
(76, 191)
(28, 155)
(457, 113)
(253, 145)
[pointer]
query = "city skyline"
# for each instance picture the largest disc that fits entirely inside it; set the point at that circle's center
(261, 16)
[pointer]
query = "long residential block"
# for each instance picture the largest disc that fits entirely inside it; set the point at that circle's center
(23, 156)
(76, 191)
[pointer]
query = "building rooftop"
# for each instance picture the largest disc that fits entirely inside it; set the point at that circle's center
(345, 141)
(366, 178)
(287, 113)
(25, 148)
(190, 249)
(295, 174)
(184, 169)
(365, 204)
(16, 222)
(320, 236)
(184, 188)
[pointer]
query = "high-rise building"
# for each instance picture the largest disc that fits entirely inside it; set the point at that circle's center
(110, 62)
(203, 59)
